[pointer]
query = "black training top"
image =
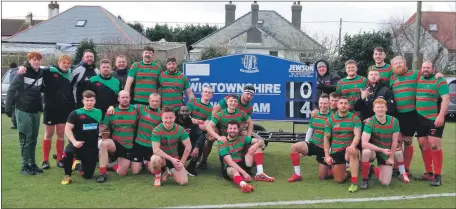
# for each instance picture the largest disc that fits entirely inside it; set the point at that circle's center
(57, 89)
(86, 125)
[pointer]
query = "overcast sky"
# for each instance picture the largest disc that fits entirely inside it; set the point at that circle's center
(214, 12)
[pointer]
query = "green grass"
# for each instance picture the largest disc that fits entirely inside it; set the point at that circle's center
(209, 187)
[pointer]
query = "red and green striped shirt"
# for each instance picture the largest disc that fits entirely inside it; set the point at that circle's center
(199, 110)
(350, 88)
(146, 79)
(234, 148)
(317, 123)
(122, 124)
(148, 120)
(169, 139)
(385, 71)
(172, 88)
(222, 118)
(404, 89)
(342, 130)
(381, 134)
(428, 96)
(248, 108)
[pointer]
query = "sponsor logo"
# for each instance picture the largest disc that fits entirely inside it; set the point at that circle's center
(301, 71)
(337, 125)
(56, 75)
(82, 117)
(250, 63)
(98, 84)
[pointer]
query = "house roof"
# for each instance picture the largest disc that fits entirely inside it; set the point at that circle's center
(13, 26)
(446, 26)
(276, 31)
(101, 26)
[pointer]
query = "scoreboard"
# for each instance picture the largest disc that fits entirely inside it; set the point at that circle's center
(285, 89)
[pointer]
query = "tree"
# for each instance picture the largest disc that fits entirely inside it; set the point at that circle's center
(404, 43)
(113, 47)
(359, 47)
(213, 52)
(137, 26)
(84, 45)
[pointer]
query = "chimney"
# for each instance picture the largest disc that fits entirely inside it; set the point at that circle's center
(29, 19)
(53, 9)
(296, 11)
(230, 13)
(56, 9)
(255, 9)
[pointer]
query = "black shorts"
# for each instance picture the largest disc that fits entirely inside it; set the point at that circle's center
(169, 164)
(338, 158)
(426, 127)
(313, 149)
(58, 116)
(408, 123)
(225, 168)
(380, 160)
(141, 153)
(122, 152)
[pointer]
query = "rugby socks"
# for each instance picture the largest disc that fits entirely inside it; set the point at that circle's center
(102, 170)
(59, 146)
(437, 158)
(157, 173)
(365, 170)
(427, 160)
(408, 154)
(46, 149)
(377, 172)
(295, 162)
(401, 167)
(238, 180)
(354, 179)
(259, 162)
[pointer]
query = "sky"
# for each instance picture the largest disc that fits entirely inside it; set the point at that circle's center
(314, 15)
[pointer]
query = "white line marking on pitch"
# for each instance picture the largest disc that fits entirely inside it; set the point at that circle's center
(306, 202)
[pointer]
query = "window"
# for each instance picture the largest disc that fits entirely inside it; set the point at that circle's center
(452, 88)
(7, 77)
(433, 27)
(274, 53)
(81, 23)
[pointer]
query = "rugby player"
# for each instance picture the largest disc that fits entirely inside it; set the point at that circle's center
(314, 142)
(350, 85)
(120, 71)
(165, 139)
(122, 126)
(201, 109)
(384, 69)
(379, 138)
(82, 130)
(145, 75)
(333, 100)
(344, 129)
(197, 138)
(220, 121)
(432, 100)
(172, 85)
(244, 101)
(237, 156)
(105, 87)
(81, 75)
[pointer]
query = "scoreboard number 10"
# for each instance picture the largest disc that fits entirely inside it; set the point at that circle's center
(299, 96)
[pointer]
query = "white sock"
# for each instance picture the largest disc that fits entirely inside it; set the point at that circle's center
(297, 170)
(401, 169)
(171, 171)
(259, 169)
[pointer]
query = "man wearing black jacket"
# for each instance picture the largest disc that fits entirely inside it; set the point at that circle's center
(81, 75)
(326, 81)
(374, 89)
(121, 70)
(25, 93)
(197, 138)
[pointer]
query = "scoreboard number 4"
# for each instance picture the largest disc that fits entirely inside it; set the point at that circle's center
(300, 103)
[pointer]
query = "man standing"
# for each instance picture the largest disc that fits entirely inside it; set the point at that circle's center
(326, 81)
(432, 100)
(25, 94)
(201, 109)
(197, 138)
(345, 130)
(145, 75)
(121, 70)
(314, 142)
(165, 139)
(122, 126)
(172, 85)
(82, 131)
(384, 69)
(380, 136)
(81, 75)
(237, 155)
(350, 85)
(105, 87)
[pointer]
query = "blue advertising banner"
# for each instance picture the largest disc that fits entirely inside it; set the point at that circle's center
(285, 89)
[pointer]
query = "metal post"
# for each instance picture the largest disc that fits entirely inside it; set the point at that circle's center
(416, 51)
(340, 36)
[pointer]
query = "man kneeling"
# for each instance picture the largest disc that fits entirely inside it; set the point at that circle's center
(237, 157)
(165, 139)
(384, 132)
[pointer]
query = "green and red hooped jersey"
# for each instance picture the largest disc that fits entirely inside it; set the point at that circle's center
(342, 130)
(428, 96)
(146, 80)
(122, 124)
(148, 120)
(381, 134)
(169, 139)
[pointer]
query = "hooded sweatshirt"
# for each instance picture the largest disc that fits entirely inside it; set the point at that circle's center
(326, 83)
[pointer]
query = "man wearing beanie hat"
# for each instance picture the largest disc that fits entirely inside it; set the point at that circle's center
(326, 81)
